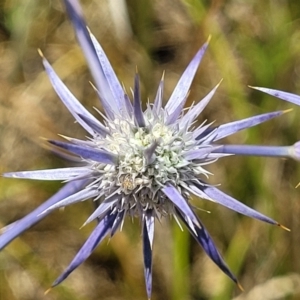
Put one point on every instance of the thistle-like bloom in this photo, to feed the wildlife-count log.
(144, 164)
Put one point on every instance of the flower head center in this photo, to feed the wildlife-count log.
(149, 157)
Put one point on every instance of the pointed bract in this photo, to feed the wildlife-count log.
(128, 106)
(208, 245)
(96, 126)
(172, 193)
(118, 222)
(149, 153)
(85, 41)
(194, 112)
(35, 216)
(173, 117)
(235, 205)
(280, 94)
(254, 150)
(82, 195)
(85, 152)
(52, 174)
(107, 204)
(71, 103)
(157, 105)
(201, 153)
(112, 80)
(233, 127)
(98, 234)
(148, 233)
(183, 86)
(137, 104)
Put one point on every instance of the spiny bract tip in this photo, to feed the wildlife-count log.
(208, 39)
(240, 287)
(93, 86)
(47, 291)
(287, 110)
(219, 82)
(254, 87)
(283, 227)
(40, 53)
(64, 137)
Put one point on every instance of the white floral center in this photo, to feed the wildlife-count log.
(137, 178)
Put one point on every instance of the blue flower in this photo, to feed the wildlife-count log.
(144, 164)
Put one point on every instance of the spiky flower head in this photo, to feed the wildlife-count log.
(139, 163)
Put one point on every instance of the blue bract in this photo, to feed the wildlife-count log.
(144, 164)
(280, 94)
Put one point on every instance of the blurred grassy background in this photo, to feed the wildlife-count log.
(253, 43)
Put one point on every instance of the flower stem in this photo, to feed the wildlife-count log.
(181, 270)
